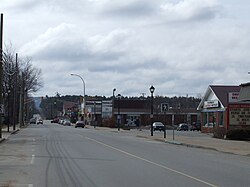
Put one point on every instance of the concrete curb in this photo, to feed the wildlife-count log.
(13, 132)
(191, 145)
(2, 140)
(205, 147)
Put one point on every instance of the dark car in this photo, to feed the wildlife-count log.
(55, 120)
(80, 124)
(158, 126)
(195, 127)
(33, 121)
(182, 127)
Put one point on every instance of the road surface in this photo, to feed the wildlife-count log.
(53, 155)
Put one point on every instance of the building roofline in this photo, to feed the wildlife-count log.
(245, 84)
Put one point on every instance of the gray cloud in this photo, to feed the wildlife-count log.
(191, 10)
(178, 46)
(129, 8)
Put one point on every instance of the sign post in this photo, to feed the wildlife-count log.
(164, 108)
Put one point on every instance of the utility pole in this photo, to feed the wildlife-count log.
(15, 96)
(21, 107)
(1, 75)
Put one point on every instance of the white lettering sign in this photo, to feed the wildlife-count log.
(239, 114)
(211, 104)
(233, 97)
(107, 109)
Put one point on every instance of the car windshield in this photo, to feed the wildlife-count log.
(158, 124)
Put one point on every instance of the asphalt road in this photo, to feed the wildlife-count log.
(53, 155)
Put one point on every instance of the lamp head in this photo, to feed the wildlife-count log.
(119, 96)
(152, 89)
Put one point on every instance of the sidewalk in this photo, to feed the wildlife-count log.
(202, 140)
(206, 141)
(6, 134)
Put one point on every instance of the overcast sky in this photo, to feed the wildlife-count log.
(179, 46)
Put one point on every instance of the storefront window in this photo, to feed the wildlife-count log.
(209, 119)
(212, 119)
(220, 118)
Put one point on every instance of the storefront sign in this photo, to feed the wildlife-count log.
(233, 97)
(211, 104)
(239, 114)
(107, 109)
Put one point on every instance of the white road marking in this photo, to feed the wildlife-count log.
(33, 139)
(30, 185)
(32, 159)
(153, 163)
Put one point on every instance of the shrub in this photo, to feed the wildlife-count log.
(219, 132)
(238, 134)
(109, 123)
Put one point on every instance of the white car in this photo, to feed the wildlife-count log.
(211, 125)
(158, 126)
(66, 123)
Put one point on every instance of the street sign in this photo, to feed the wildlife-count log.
(164, 107)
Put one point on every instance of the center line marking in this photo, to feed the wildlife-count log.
(151, 162)
(32, 159)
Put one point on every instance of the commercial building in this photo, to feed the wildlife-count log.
(239, 112)
(225, 107)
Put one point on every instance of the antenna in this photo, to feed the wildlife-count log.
(143, 94)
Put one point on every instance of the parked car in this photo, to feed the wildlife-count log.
(195, 127)
(80, 124)
(211, 125)
(39, 121)
(182, 127)
(55, 120)
(33, 121)
(61, 121)
(158, 126)
(66, 123)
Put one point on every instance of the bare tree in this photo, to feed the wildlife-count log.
(10, 71)
(32, 76)
(20, 79)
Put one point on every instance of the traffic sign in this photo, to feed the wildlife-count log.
(164, 107)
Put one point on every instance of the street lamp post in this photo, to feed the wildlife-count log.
(119, 105)
(113, 102)
(152, 89)
(83, 83)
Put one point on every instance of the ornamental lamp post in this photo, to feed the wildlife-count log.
(119, 105)
(113, 102)
(152, 89)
